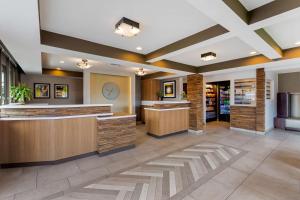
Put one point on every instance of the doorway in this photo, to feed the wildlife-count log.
(218, 101)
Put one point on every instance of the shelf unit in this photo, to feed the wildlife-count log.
(211, 102)
(268, 89)
(245, 91)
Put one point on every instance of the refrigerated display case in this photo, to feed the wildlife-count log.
(211, 102)
(224, 101)
(218, 101)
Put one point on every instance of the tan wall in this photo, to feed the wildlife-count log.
(289, 82)
(75, 88)
(122, 103)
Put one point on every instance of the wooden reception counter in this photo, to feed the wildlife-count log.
(42, 134)
(167, 118)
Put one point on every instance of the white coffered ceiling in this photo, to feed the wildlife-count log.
(52, 61)
(162, 22)
(286, 33)
(252, 4)
(229, 49)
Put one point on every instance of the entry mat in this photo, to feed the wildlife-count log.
(172, 176)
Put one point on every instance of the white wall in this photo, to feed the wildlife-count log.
(86, 84)
(271, 104)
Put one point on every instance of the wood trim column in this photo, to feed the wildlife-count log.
(260, 99)
(195, 96)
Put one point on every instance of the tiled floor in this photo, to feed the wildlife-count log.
(269, 170)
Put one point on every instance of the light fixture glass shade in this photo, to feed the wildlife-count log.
(127, 27)
(83, 64)
(140, 72)
(208, 56)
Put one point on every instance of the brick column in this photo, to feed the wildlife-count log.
(260, 100)
(195, 96)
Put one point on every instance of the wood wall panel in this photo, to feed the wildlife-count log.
(260, 99)
(195, 96)
(149, 89)
(162, 123)
(46, 140)
(243, 117)
(115, 133)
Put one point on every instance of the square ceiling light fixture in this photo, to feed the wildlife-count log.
(208, 56)
(127, 27)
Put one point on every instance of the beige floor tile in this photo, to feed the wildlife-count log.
(16, 181)
(43, 191)
(86, 176)
(7, 198)
(212, 190)
(246, 193)
(230, 177)
(92, 162)
(48, 174)
(248, 163)
(273, 187)
(188, 198)
(122, 164)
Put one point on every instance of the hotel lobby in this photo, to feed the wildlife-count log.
(150, 100)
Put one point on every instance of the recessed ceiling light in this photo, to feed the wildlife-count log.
(208, 56)
(139, 48)
(297, 43)
(253, 52)
(127, 27)
(58, 68)
(140, 72)
(61, 62)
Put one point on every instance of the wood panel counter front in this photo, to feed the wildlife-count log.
(162, 122)
(26, 140)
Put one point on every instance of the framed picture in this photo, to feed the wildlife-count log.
(61, 91)
(169, 89)
(41, 90)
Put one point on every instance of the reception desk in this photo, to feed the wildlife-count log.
(42, 134)
(165, 118)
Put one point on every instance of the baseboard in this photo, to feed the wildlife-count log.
(248, 131)
(198, 132)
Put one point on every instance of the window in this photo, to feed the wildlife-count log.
(3, 85)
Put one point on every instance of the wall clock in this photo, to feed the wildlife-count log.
(110, 91)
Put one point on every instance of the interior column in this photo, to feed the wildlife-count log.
(195, 96)
(260, 99)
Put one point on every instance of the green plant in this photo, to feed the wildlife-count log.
(160, 94)
(183, 95)
(20, 94)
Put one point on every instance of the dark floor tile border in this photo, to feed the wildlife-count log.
(168, 135)
(117, 150)
(55, 162)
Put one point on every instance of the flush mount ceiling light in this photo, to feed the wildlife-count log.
(139, 48)
(61, 62)
(208, 56)
(83, 64)
(252, 52)
(127, 27)
(297, 43)
(140, 72)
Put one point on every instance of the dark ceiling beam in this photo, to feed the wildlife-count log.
(253, 60)
(272, 9)
(201, 36)
(156, 75)
(237, 7)
(268, 39)
(79, 45)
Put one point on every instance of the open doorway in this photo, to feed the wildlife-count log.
(218, 101)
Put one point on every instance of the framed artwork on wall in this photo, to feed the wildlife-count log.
(169, 89)
(61, 91)
(41, 90)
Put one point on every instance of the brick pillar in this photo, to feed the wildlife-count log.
(195, 96)
(260, 99)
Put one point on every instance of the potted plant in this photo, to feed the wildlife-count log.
(160, 95)
(20, 94)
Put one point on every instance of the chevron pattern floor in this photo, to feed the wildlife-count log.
(171, 176)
